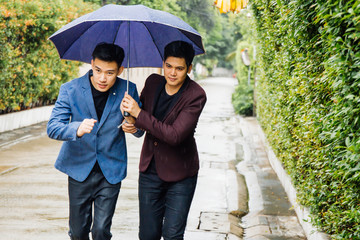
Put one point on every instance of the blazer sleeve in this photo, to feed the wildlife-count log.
(59, 126)
(184, 124)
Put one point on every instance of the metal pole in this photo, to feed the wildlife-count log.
(128, 63)
(126, 114)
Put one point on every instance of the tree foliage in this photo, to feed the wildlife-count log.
(30, 69)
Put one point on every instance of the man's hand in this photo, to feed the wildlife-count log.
(128, 127)
(129, 105)
(130, 119)
(86, 127)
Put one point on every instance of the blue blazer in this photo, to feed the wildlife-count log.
(106, 143)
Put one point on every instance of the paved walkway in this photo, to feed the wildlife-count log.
(34, 202)
(270, 216)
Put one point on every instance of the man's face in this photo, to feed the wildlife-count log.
(175, 72)
(104, 74)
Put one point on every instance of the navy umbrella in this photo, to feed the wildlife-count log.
(141, 31)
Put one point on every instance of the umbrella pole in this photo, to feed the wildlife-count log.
(128, 60)
(126, 114)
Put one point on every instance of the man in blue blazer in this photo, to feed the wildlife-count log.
(86, 117)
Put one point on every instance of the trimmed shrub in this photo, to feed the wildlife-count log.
(309, 103)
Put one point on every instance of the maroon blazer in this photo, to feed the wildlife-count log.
(172, 141)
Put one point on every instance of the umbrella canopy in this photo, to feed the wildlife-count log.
(230, 5)
(141, 31)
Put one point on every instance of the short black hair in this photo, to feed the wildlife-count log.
(109, 52)
(180, 49)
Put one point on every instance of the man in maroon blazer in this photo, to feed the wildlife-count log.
(169, 161)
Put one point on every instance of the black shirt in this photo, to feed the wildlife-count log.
(163, 105)
(100, 99)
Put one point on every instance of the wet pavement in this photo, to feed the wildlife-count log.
(270, 216)
(34, 201)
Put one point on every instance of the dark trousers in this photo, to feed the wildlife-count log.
(164, 206)
(94, 191)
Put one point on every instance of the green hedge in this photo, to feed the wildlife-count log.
(30, 69)
(309, 103)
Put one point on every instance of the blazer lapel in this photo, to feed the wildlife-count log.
(113, 96)
(88, 98)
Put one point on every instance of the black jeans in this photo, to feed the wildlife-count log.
(94, 191)
(164, 206)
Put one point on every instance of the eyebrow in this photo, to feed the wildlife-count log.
(110, 70)
(168, 64)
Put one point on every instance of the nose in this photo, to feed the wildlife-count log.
(173, 72)
(102, 78)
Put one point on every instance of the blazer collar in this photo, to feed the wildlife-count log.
(113, 95)
(162, 86)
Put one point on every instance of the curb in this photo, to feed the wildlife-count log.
(303, 213)
(11, 121)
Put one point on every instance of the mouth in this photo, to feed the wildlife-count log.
(102, 86)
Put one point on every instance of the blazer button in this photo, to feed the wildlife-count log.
(155, 144)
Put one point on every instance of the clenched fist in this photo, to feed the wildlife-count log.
(86, 127)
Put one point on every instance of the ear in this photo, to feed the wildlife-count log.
(121, 69)
(92, 63)
(189, 69)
